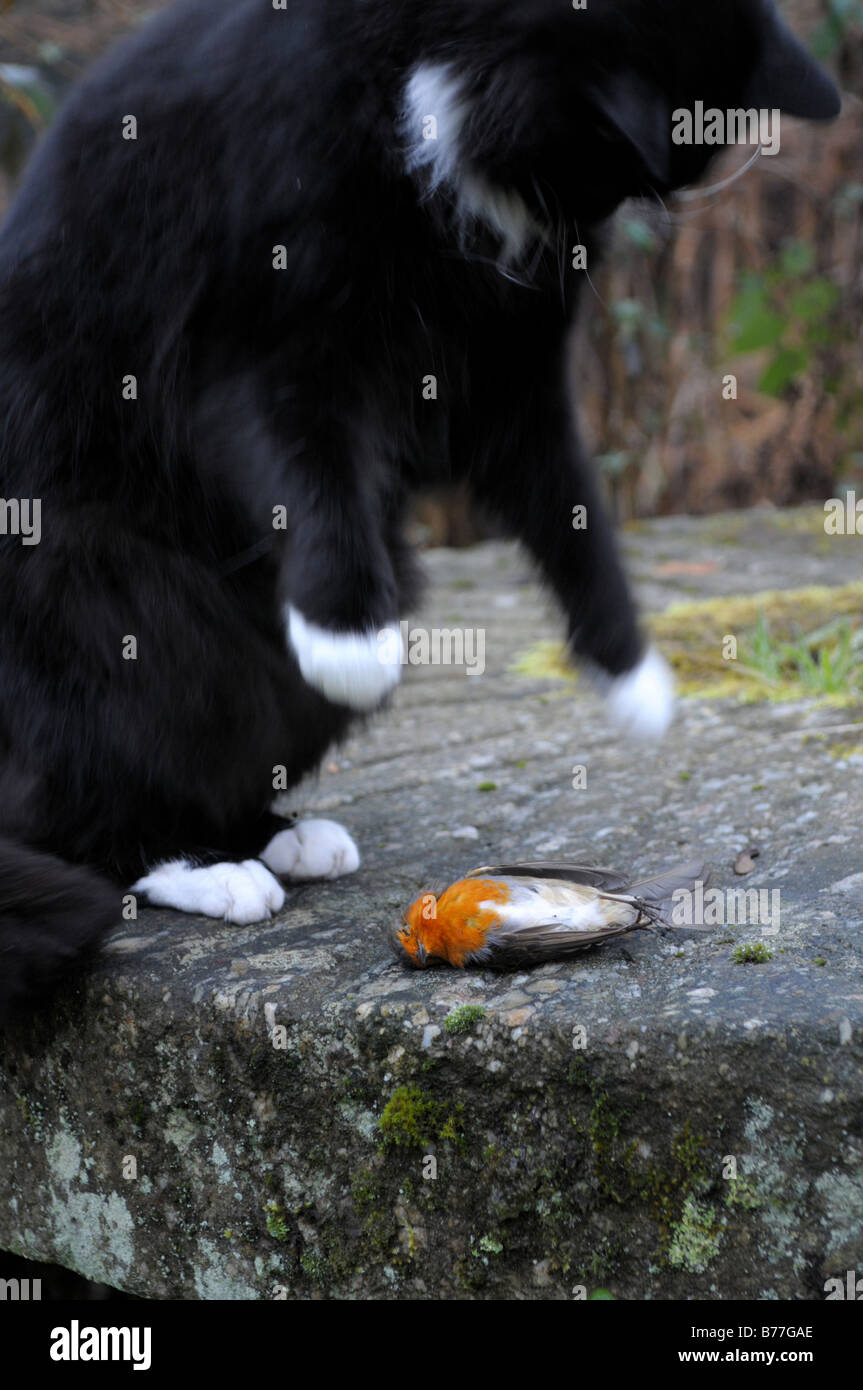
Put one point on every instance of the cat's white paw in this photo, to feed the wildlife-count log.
(351, 668)
(641, 702)
(312, 849)
(240, 893)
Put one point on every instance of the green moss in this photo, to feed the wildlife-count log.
(841, 751)
(472, 1269)
(696, 1237)
(660, 1190)
(462, 1019)
(604, 1260)
(612, 1155)
(611, 1161)
(665, 1190)
(487, 787)
(365, 1190)
(751, 953)
(471, 1274)
(354, 1089)
(380, 1233)
(316, 1267)
(767, 625)
(819, 960)
(276, 1227)
(792, 644)
(409, 1118)
(742, 1192)
(453, 1128)
(545, 661)
(577, 1073)
(409, 1239)
(687, 1156)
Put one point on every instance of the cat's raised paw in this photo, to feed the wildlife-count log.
(641, 702)
(240, 893)
(351, 668)
(312, 849)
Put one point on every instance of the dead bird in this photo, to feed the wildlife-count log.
(508, 915)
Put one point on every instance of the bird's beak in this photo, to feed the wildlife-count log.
(417, 960)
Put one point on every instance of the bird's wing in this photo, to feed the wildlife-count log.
(533, 945)
(609, 879)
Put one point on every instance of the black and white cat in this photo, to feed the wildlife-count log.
(250, 237)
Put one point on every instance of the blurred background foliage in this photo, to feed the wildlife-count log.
(761, 280)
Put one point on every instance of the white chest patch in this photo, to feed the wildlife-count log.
(436, 112)
(546, 904)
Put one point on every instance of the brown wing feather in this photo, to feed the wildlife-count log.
(610, 879)
(536, 944)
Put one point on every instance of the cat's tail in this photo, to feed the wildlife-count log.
(52, 916)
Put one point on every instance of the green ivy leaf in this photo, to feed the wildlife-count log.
(754, 324)
(786, 365)
(797, 258)
(814, 300)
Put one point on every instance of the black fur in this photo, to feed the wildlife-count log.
(301, 388)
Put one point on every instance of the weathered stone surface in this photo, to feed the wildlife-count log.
(281, 1087)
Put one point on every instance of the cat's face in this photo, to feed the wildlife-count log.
(582, 102)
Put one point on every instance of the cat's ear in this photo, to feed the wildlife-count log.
(639, 112)
(789, 79)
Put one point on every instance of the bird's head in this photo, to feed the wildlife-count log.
(409, 938)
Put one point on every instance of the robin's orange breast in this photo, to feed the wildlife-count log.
(465, 916)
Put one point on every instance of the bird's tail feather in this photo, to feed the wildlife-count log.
(657, 893)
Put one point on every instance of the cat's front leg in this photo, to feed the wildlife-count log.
(325, 489)
(340, 594)
(358, 669)
(533, 472)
